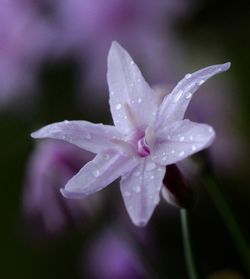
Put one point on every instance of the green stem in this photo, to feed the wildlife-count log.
(227, 215)
(187, 245)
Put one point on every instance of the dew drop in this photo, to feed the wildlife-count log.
(118, 106)
(182, 138)
(137, 189)
(210, 129)
(156, 200)
(139, 100)
(188, 76)
(193, 147)
(66, 121)
(106, 156)
(127, 194)
(178, 96)
(152, 177)
(96, 173)
(112, 93)
(201, 82)
(191, 137)
(132, 62)
(182, 153)
(188, 96)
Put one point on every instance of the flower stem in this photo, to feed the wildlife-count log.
(227, 215)
(187, 245)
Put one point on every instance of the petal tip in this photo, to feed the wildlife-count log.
(35, 135)
(141, 223)
(71, 195)
(226, 66)
(115, 46)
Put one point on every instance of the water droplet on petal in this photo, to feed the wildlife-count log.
(201, 82)
(188, 96)
(112, 92)
(139, 100)
(182, 153)
(127, 194)
(182, 138)
(137, 189)
(66, 121)
(118, 106)
(178, 96)
(132, 62)
(152, 177)
(106, 156)
(96, 173)
(188, 76)
(193, 147)
(210, 130)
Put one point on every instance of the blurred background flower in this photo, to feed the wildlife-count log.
(24, 42)
(112, 256)
(51, 165)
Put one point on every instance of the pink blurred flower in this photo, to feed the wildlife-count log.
(24, 41)
(51, 165)
(111, 256)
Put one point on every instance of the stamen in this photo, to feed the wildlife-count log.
(143, 148)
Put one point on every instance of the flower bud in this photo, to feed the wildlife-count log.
(175, 189)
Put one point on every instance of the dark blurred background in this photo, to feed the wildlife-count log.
(52, 68)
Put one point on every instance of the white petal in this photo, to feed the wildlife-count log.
(175, 104)
(181, 140)
(130, 95)
(98, 173)
(86, 135)
(140, 190)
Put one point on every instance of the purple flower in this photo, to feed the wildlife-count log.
(148, 135)
(51, 165)
(111, 257)
(24, 40)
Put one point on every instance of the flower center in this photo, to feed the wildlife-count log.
(143, 148)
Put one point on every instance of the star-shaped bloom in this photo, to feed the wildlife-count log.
(148, 134)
